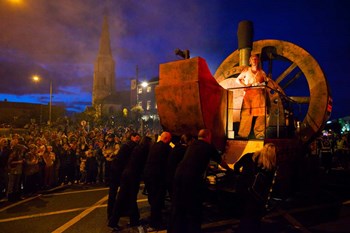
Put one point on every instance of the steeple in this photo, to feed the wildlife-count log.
(105, 42)
(104, 70)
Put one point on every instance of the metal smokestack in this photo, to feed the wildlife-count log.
(245, 41)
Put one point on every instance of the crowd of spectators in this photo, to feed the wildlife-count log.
(41, 159)
(332, 151)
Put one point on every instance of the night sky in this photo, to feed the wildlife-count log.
(58, 40)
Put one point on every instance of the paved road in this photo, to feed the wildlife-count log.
(82, 208)
(69, 209)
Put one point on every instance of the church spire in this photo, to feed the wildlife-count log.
(105, 43)
(104, 70)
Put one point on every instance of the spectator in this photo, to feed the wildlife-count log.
(189, 184)
(117, 168)
(91, 165)
(155, 178)
(253, 200)
(326, 152)
(68, 163)
(57, 149)
(82, 167)
(176, 155)
(41, 150)
(31, 171)
(49, 170)
(110, 150)
(340, 151)
(101, 160)
(75, 151)
(126, 202)
(4, 156)
(15, 167)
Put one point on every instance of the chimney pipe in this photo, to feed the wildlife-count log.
(245, 41)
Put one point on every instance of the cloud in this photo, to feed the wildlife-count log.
(59, 40)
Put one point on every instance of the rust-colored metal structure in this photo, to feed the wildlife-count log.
(190, 98)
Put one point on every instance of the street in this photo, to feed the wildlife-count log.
(71, 209)
(82, 208)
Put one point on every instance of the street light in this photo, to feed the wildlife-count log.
(36, 78)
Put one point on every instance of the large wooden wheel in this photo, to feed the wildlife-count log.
(297, 75)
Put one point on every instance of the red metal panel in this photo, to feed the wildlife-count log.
(189, 98)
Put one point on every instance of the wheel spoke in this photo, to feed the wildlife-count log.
(300, 99)
(286, 72)
(292, 80)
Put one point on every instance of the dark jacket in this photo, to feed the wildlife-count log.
(155, 168)
(121, 160)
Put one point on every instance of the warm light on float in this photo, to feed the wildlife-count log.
(15, 1)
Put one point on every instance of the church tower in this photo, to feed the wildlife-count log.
(104, 70)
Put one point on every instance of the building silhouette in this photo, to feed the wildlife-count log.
(105, 99)
(17, 114)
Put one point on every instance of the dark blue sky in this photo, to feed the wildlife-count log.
(59, 40)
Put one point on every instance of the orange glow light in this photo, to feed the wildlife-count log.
(15, 1)
(36, 78)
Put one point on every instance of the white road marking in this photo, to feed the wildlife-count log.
(74, 192)
(51, 194)
(42, 214)
(56, 212)
(80, 216)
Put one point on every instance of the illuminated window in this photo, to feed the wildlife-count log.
(148, 107)
(140, 90)
(139, 103)
(149, 88)
(155, 106)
